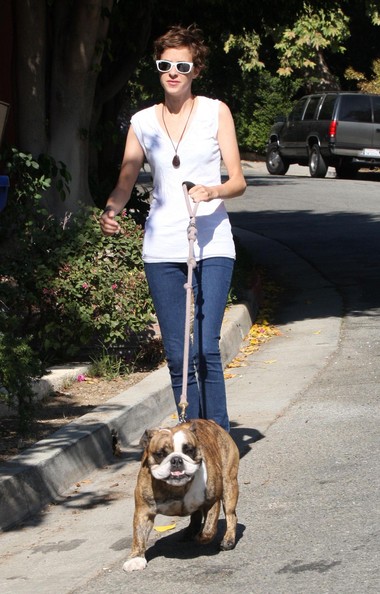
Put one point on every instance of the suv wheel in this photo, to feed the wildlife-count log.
(317, 164)
(274, 162)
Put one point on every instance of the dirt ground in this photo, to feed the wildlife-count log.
(62, 408)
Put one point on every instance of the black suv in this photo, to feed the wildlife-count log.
(340, 130)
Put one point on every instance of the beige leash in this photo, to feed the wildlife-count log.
(191, 264)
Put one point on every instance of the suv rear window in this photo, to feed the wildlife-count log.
(327, 108)
(355, 108)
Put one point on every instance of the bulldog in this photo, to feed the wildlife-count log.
(186, 470)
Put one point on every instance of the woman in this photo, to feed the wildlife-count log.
(183, 139)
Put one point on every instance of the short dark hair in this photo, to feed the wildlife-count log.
(178, 36)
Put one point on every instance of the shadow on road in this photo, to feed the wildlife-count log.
(175, 547)
(341, 247)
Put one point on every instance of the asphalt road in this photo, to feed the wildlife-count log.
(309, 489)
(333, 224)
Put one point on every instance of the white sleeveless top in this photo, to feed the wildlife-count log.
(165, 237)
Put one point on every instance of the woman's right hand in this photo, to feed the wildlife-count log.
(130, 167)
(108, 223)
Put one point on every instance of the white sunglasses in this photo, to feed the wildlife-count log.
(167, 65)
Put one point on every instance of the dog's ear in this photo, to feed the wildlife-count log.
(193, 427)
(146, 437)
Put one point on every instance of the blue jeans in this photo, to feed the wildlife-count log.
(206, 393)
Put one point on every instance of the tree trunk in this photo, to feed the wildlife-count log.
(110, 95)
(30, 36)
(80, 32)
(55, 117)
(326, 80)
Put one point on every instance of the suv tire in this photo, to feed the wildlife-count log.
(274, 162)
(317, 164)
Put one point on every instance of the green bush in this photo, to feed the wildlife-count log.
(66, 284)
(65, 290)
(262, 98)
(74, 288)
(19, 366)
(93, 290)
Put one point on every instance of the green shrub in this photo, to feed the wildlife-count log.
(261, 100)
(66, 284)
(19, 366)
(93, 290)
(65, 289)
(73, 288)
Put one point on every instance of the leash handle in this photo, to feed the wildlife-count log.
(188, 185)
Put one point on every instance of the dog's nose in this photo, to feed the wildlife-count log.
(177, 462)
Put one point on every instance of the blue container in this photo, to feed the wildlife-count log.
(4, 185)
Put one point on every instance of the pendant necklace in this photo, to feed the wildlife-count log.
(176, 160)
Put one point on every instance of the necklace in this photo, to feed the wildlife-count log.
(176, 160)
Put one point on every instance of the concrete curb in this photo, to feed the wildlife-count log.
(54, 380)
(57, 377)
(42, 473)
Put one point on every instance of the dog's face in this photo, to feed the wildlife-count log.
(173, 455)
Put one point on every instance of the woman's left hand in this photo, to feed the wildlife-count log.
(201, 193)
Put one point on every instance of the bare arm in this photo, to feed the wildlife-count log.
(130, 167)
(236, 184)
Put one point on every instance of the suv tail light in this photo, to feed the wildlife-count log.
(332, 129)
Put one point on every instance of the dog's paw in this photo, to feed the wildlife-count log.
(227, 544)
(205, 538)
(135, 564)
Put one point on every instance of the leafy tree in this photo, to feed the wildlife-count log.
(373, 11)
(301, 46)
(366, 86)
(249, 44)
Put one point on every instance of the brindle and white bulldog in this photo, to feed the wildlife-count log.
(186, 470)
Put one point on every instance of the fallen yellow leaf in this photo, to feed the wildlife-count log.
(235, 364)
(164, 528)
(229, 375)
(250, 349)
